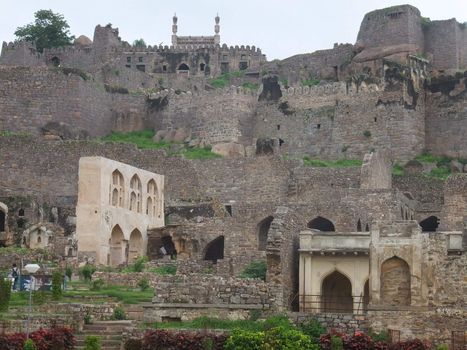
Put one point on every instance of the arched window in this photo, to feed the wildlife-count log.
(430, 224)
(2, 220)
(359, 226)
(183, 68)
(21, 212)
(152, 203)
(336, 294)
(395, 282)
(215, 250)
(202, 66)
(322, 224)
(367, 228)
(117, 189)
(136, 245)
(263, 229)
(55, 61)
(135, 194)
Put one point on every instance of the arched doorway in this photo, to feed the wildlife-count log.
(136, 245)
(55, 61)
(395, 282)
(215, 250)
(263, 229)
(117, 247)
(430, 224)
(168, 246)
(366, 295)
(336, 294)
(183, 69)
(322, 224)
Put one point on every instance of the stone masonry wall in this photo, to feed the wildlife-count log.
(30, 98)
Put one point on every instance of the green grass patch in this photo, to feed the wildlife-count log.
(142, 139)
(164, 270)
(397, 170)
(339, 163)
(250, 86)
(199, 153)
(121, 294)
(439, 173)
(256, 269)
(430, 158)
(309, 82)
(223, 80)
(17, 250)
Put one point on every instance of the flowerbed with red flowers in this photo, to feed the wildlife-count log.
(55, 338)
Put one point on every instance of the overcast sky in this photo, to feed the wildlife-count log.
(281, 28)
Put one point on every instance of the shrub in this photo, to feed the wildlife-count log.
(87, 319)
(414, 344)
(358, 341)
(12, 341)
(143, 283)
(54, 338)
(119, 313)
(367, 133)
(256, 269)
(138, 266)
(277, 321)
(69, 272)
(442, 347)
(133, 344)
(5, 294)
(314, 329)
(336, 343)
(57, 279)
(282, 339)
(397, 170)
(331, 341)
(29, 345)
(165, 270)
(39, 297)
(245, 340)
(86, 271)
(97, 284)
(382, 336)
(92, 342)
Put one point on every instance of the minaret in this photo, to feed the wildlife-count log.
(174, 30)
(217, 28)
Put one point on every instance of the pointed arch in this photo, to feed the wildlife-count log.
(322, 224)
(117, 246)
(430, 224)
(183, 67)
(263, 230)
(359, 226)
(117, 189)
(215, 250)
(395, 282)
(336, 293)
(152, 206)
(135, 245)
(135, 193)
(367, 228)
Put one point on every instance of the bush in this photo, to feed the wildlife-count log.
(92, 342)
(367, 133)
(442, 347)
(414, 344)
(69, 272)
(5, 294)
(54, 338)
(382, 336)
(86, 271)
(138, 266)
(245, 340)
(256, 269)
(358, 341)
(12, 341)
(97, 284)
(143, 283)
(314, 329)
(87, 319)
(282, 339)
(57, 279)
(331, 341)
(165, 270)
(39, 297)
(277, 321)
(29, 345)
(133, 344)
(119, 313)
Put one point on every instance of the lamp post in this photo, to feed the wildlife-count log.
(31, 269)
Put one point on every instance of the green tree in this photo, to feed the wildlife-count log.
(48, 30)
(139, 43)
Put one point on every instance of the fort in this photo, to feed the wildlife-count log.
(344, 170)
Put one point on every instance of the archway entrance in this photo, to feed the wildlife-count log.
(263, 229)
(366, 295)
(136, 245)
(322, 224)
(215, 250)
(395, 282)
(117, 247)
(336, 294)
(168, 247)
(430, 224)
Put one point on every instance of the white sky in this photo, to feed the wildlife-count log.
(281, 28)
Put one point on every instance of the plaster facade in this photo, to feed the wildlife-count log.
(117, 204)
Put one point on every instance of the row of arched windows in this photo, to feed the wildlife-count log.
(136, 196)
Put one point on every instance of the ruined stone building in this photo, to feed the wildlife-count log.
(385, 248)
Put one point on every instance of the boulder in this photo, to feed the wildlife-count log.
(83, 40)
(229, 150)
(456, 166)
(180, 135)
(169, 137)
(159, 136)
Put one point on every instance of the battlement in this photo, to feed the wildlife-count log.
(252, 50)
(208, 94)
(337, 88)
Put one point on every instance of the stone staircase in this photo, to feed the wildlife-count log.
(110, 333)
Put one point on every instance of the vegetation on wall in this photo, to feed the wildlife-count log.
(307, 161)
(255, 269)
(223, 80)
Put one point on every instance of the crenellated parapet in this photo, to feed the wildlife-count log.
(252, 50)
(337, 88)
(231, 91)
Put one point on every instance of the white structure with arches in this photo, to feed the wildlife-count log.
(117, 204)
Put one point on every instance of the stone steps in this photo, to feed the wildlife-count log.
(109, 332)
